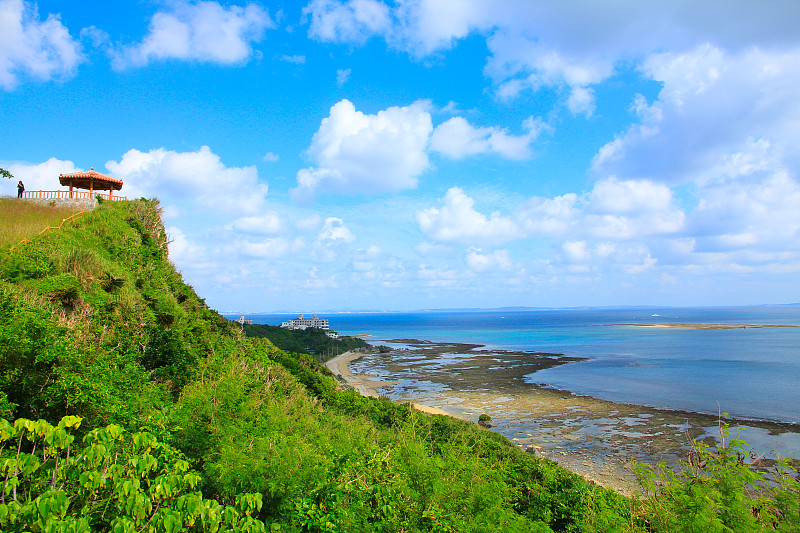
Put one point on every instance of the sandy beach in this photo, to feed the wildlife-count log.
(365, 384)
(597, 439)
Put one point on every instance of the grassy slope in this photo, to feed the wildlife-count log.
(94, 321)
(22, 220)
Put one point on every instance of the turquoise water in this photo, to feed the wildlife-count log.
(749, 373)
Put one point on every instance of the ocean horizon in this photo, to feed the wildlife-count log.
(749, 373)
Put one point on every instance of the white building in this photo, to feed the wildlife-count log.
(244, 320)
(303, 323)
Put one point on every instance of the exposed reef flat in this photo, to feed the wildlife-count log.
(712, 326)
(596, 438)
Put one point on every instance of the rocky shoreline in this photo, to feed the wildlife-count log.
(595, 438)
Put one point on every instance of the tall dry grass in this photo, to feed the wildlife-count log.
(24, 220)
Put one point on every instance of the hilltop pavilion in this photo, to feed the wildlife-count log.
(92, 180)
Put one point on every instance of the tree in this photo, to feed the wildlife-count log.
(5, 173)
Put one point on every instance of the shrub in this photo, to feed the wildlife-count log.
(113, 481)
(721, 489)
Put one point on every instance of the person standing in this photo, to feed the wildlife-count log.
(20, 189)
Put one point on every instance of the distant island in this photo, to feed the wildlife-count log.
(713, 326)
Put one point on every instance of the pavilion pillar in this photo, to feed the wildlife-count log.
(70, 189)
(91, 188)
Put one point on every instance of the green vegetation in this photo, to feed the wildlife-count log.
(721, 489)
(313, 341)
(140, 409)
(115, 481)
(5, 174)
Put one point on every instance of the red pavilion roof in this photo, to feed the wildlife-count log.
(90, 179)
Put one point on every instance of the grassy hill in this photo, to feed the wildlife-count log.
(21, 220)
(157, 414)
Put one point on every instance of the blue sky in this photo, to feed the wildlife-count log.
(365, 154)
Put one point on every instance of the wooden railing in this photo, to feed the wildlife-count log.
(74, 195)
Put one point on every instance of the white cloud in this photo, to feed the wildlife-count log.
(724, 122)
(296, 59)
(30, 47)
(625, 209)
(545, 217)
(269, 248)
(712, 104)
(333, 235)
(200, 31)
(629, 196)
(581, 256)
(581, 101)
(570, 45)
(192, 180)
(309, 223)
(351, 21)
(761, 217)
(480, 260)
(334, 231)
(266, 224)
(575, 251)
(458, 221)
(186, 252)
(428, 249)
(342, 75)
(270, 157)
(357, 153)
(520, 63)
(457, 139)
(38, 177)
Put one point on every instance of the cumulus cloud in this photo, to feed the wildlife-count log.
(581, 256)
(605, 228)
(711, 105)
(624, 209)
(548, 217)
(570, 45)
(194, 180)
(480, 260)
(334, 231)
(184, 251)
(333, 235)
(200, 31)
(457, 139)
(760, 217)
(458, 221)
(356, 153)
(353, 21)
(581, 101)
(266, 224)
(723, 122)
(632, 226)
(629, 196)
(38, 176)
(31, 47)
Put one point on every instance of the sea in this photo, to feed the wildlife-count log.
(751, 373)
